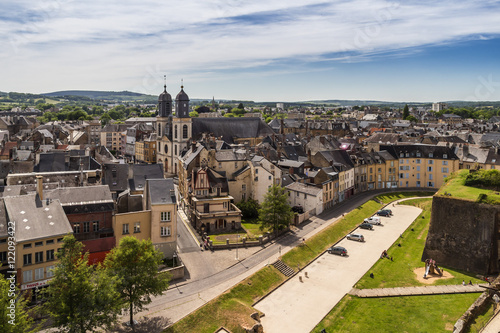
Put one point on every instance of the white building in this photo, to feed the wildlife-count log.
(309, 197)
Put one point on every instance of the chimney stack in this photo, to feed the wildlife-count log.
(39, 186)
(193, 146)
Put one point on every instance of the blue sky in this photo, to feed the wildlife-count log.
(293, 50)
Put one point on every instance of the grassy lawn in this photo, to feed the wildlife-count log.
(234, 307)
(482, 319)
(397, 314)
(399, 273)
(455, 186)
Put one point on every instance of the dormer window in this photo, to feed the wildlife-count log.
(418, 154)
(445, 155)
(431, 155)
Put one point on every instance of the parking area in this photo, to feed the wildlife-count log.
(299, 306)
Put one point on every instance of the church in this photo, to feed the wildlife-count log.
(173, 131)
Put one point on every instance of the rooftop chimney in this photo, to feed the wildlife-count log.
(39, 186)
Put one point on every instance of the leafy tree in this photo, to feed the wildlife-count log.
(80, 297)
(240, 106)
(275, 212)
(193, 114)
(136, 264)
(202, 109)
(406, 112)
(229, 115)
(105, 118)
(249, 208)
(14, 316)
(412, 119)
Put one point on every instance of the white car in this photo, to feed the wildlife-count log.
(373, 220)
(356, 237)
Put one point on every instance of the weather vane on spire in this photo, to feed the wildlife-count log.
(165, 81)
(182, 83)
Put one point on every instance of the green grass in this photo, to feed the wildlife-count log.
(400, 272)
(455, 186)
(232, 308)
(436, 313)
(390, 197)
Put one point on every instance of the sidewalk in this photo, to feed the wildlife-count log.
(417, 291)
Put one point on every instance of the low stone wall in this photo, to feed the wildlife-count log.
(176, 272)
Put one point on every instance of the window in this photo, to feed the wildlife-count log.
(444, 170)
(429, 169)
(224, 205)
(27, 276)
(137, 227)
(298, 193)
(95, 226)
(27, 246)
(39, 273)
(59, 240)
(418, 161)
(418, 183)
(446, 162)
(86, 226)
(38, 257)
(270, 177)
(430, 176)
(50, 255)
(431, 155)
(379, 170)
(418, 176)
(418, 167)
(125, 229)
(392, 163)
(50, 241)
(175, 150)
(401, 161)
(430, 184)
(76, 228)
(27, 259)
(407, 175)
(431, 162)
(244, 187)
(401, 167)
(50, 271)
(418, 154)
(38, 244)
(185, 132)
(165, 217)
(256, 171)
(175, 132)
(3, 256)
(235, 165)
(165, 231)
(445, 155)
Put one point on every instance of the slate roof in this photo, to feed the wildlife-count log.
(304, 188)
(190, 155)
(290, 164)
(229, 155)
(79, 195)
(35, 218)
(142, 172)
(387, 138)
(115, 176)
(53, 161)
(217, 180)
(230, 128)
(337, 156)
(437, 152)
(161, 191)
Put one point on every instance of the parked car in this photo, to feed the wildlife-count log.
(356, 237)
(373, 220)
(338, 250)
(366, 225)
(384, 212)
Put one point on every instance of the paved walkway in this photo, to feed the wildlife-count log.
(417, 291)
(301, 303)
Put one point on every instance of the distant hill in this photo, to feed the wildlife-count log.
(100, 95)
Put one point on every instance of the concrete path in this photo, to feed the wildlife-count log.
(299, 306)
(493, 325)
(417, 291)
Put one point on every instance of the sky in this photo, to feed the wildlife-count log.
(294, 50)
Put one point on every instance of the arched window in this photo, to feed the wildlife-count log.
(166, 149)
(159, 129)
(175, 132)
(185, 131)
(175, 150)
(166, 165)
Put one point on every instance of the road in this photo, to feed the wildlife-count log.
(201, 286)
(301, 303)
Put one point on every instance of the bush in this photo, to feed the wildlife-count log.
(484, 178)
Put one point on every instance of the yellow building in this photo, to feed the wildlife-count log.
(423, 165)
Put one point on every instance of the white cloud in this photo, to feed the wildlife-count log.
(115, 44)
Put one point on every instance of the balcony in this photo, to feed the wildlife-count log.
(233, 211)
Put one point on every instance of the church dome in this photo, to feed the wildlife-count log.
(182, 96)
(164, 96)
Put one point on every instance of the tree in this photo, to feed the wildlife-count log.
(105, 119)
(240, 106)
(81, 297)
(136, 263)
(249, 208)
(406, 112)
(275, 212)
(14, 316)
(412, 119)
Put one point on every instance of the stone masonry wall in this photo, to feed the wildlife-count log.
(463, 235)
